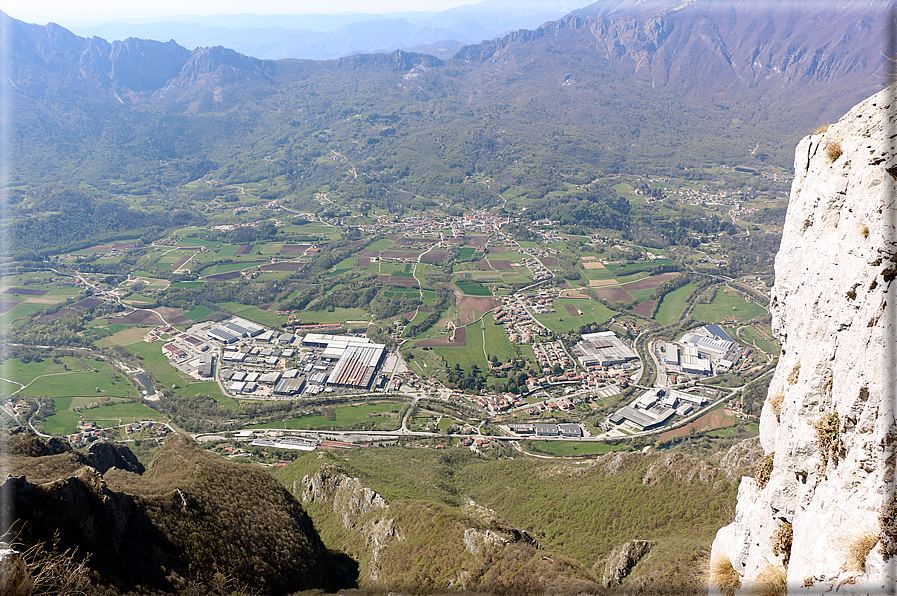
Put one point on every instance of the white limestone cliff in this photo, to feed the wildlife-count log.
(829, 418)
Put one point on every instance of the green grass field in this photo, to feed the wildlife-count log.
(469, 355)
(384, 415)
(16, 370)
(561, 321)
(473, 288)
(157, 364)
(672, 305)
(80, 384)
(17, 314)
(497, 342)
(570, 448)
(752, 336)
(380, 245)
(252, 313)
(198, 313)
(727, 303)
(65, 420)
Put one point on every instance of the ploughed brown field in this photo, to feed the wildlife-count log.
(643, 309)
(293, 249)
(548, 261)
(116, 246)
(367, 252)
(405, 282)
(712, 420)
(434, 256)
(180, 262)
(8, 305)
(480, 303)
(572, 310)
(651, 282)
(138, 317)
(501, 265)
(614, 294)
(497, 250)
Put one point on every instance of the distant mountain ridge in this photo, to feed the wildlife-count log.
(617, 86)
(325, 37)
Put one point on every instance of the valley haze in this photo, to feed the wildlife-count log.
(503, 298)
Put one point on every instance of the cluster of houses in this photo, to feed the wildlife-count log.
(514, 314)
(551, 354)
(561, 404)
(497, 403)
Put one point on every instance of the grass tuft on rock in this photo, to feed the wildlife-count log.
(763, 469)
(857, 550)
(721, 575)
(833, 150)
(770, 581)
(781, 541)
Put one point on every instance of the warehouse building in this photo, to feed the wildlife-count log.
(235, 329)
(293, 386)
(603, 349)
(356, 365)
(671, 354)
(322, 340)
(206, 365)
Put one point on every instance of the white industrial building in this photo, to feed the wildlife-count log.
(706, 346)
(656, 407)
(603, 349)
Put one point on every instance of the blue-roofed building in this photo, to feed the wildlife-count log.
(718, 332)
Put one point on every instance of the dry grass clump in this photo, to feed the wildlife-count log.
(781, 541)
(857, 550)
(56, 573)
(864, 229)
(833, 150)
(794, 375)
(821, 128)
(763, 469)
(720, 574)
(828, 437)
(771, 581)
(775, 402)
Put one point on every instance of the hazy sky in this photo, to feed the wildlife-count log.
(62, 11)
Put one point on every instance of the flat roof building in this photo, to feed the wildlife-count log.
(604, 349)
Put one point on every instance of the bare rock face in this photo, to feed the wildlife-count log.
(622, 560)
(350, 498)
(104, 456)
(15, 580)
(829, 417)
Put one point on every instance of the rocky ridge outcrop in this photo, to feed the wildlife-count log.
(814, 518)
(622, 560)
(351, 501)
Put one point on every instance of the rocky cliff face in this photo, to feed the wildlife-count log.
(813, 517)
